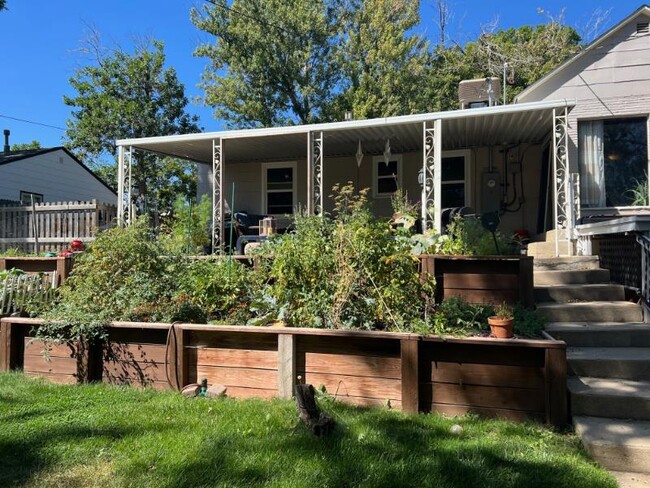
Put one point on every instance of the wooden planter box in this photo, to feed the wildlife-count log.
(62, 265)
(72, 362)
(505, 378)
(482, 279)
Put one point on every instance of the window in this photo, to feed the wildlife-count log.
(386, 177)
(26, 197)
(455, 168)
(613, 162)
(278, 188)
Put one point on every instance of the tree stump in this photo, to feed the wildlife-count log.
(320, 423)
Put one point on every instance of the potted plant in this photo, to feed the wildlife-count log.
(502, 322)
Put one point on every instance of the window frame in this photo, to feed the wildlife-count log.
(376, 161)
(265, 191)
(38, 197)
(467, 155)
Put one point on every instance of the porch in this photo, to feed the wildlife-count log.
(511, 159)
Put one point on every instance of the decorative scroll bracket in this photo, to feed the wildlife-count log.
(217, 196)
(431, 169)
(316, 153)
(561, 189)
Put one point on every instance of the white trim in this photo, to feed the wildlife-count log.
(380, 160)
(467, 155)
(354, 124)
(285, 164)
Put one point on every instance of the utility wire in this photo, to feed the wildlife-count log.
(32, 122)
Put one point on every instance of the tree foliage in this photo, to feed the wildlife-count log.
(123, 95)
(273, 62)
(276, 62)
(26, 146)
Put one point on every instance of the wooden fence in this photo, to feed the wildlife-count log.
(51, 226)
(506, 378)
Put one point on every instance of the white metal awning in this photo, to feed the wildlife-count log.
(505, 124)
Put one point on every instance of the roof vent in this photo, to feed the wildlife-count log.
(480, 92)
(643, 28)
(7, 148)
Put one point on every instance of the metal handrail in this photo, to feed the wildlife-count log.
(644, 242)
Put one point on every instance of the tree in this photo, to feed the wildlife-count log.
(3, 5)
(26, 146)
(384, 64)
(272, 62)
(124, 95)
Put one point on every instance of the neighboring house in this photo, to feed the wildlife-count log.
(50, 175)
(609, 126)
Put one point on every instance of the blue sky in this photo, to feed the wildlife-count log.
(40, 42)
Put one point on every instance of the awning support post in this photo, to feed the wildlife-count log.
(124, 185)
(217, 196)
(563, 210)
(431, 169)
(315, 163)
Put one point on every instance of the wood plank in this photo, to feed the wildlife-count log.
(286, 365)
(243, 377)
(527, 399)
(492, 297)
(556, 388)
(135, 382)
(371, 402)
(350, 364)
(485, 353)
(485, 375)
(410, 375)
(4, 346)
(182, 358)
(141, 335)
(351, 345)
(481, 281)
(236, 358)
(39, 348)
(38, 364)
(242, 392)
(498, 413)
(249, 339)
(358, 386)
(127, 372)
(141, 353)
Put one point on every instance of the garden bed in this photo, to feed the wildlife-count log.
(482, 279)
(33, 264)
(507, 378)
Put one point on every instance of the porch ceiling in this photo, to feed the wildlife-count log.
(509, 124)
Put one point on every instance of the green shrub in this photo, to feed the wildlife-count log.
(467, 236)
(455, 316)
(217, 285)
(122, 270)
(528, 323)
(189, 227)
(345, 272)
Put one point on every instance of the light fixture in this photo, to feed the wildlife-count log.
(387, 153)
(359, 154)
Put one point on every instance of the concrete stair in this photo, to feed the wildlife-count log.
(596, 311)
(608, 356)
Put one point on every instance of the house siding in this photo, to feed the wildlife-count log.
(56, 176)
(612, 80)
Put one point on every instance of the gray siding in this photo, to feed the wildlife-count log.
(56, 176)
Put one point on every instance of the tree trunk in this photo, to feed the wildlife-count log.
(320, 423)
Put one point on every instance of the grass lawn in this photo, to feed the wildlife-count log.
(95, 435)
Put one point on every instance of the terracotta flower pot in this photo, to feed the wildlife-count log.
(501, 328)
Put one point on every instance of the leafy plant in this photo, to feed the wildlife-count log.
(467, 236)
(503, 311)
(122, 270)
(639, 194)
(189, 227)
(455, 316)
(528, 323)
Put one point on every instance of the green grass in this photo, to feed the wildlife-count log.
(95, 435)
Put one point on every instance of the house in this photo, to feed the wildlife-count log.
(489, 158)
(49, 175)
(609, 127)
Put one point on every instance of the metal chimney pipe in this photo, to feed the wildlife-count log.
(7, 147)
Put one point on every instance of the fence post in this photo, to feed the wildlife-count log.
(181, 356)
(286, 365)
(410, 375)
(555, 372)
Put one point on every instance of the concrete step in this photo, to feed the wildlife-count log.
(619, 445)
(612, 334)
(591, 312)
(626, 479)
(603, 397)
(579, 293)
(542, 250)
(567, 263)
(571, 277)
(627, 363)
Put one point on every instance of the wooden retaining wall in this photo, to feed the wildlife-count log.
(505, 378)
(482, 279)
